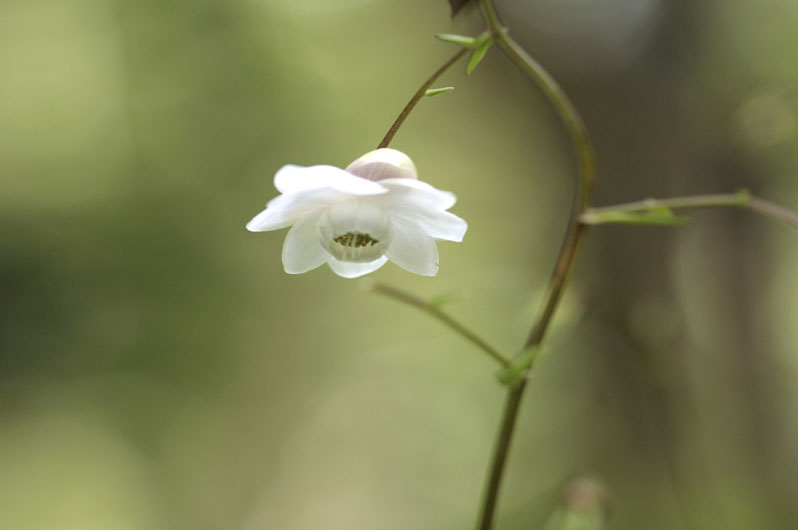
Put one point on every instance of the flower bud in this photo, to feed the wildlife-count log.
(383, 164)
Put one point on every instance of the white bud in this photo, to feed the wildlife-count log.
(384, 163)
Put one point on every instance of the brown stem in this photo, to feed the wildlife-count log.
(773, 210)
(562, 270)
(502, 449)
(740, 199)
(417, 97)
(567, 257)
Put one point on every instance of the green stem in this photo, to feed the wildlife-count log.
(562, 271)
(509, 418)
(559, 279)
(417, 97)
(407, 298)
(558, 98)
(740, 199)
(566, 259)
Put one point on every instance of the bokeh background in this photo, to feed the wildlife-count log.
(158, 370)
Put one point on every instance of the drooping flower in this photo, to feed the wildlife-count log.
(358, 218)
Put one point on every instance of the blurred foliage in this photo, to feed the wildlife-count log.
(158, 369)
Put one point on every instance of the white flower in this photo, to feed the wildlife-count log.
(357, 219)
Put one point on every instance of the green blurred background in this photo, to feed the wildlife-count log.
(158, 370)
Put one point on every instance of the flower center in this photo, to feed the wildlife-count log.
(355, 230)
(355, 239)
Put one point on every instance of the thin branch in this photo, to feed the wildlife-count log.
(417, 97)
(740, 199)
(509, 418)
(556, 95)
(419, 303)
(773, 210)
(562, 271)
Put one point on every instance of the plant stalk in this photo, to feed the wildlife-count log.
(417, 97)
(435, 311)
(740, 199)
(568, 252)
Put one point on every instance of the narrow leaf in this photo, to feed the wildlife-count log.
(657, 217)
(482, 38)
(459, 40)
(432, 92)
(482, 47)
(513, 374)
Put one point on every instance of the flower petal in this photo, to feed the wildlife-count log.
(420, 193)
(347, 269)
(285, 210)
(435, 223)
(412, 249)
(302, 250)
(292, 179)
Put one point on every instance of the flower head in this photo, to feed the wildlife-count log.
(358, 218)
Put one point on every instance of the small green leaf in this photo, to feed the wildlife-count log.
(432, 92)
(482, 46)
(482, 38)
(655, 216)
(459, 40)
(513, 374)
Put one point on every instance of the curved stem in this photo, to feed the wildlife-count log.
(562, 271)
(740, 199)
(772, 210)
(432, 309)
(562, 103)
(417, 97)
(567, 257)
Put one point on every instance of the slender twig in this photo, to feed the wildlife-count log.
(435, 311)
(417, 97)
(740, 199)
(558, 98)
(694, 201)
(512, 403)
(562, 271)
(772, 210)
(567, 257)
